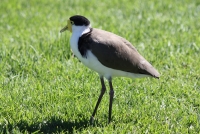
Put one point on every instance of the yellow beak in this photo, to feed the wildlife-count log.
(67, 27)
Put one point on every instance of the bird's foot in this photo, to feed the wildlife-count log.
(91, 120)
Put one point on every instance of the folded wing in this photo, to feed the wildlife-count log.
(116, 52)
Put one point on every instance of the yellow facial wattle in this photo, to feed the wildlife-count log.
(67, 27)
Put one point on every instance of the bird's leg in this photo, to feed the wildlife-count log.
(111, 100)
(103, 89)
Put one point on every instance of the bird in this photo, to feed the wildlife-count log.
(106, 53)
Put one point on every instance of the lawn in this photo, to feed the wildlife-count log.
(45, 89)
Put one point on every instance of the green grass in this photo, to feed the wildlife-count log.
(43, 89)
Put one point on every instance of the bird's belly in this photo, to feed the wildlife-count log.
(93, 63)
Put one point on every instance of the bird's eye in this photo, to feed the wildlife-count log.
(72, 22)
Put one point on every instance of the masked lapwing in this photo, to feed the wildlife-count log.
(106, 53)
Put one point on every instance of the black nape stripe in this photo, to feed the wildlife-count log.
(84, 43)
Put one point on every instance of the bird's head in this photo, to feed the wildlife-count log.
(76, 20)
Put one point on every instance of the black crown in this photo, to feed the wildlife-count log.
(80, 20)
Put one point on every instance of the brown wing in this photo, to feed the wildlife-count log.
(115, 52)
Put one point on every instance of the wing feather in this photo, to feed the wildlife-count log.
(116, 52)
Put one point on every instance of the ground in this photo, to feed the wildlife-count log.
(44, 89)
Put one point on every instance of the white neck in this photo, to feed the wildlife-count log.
(77, 31)
(80, 30)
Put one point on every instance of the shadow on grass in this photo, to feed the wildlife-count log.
(53, 125)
